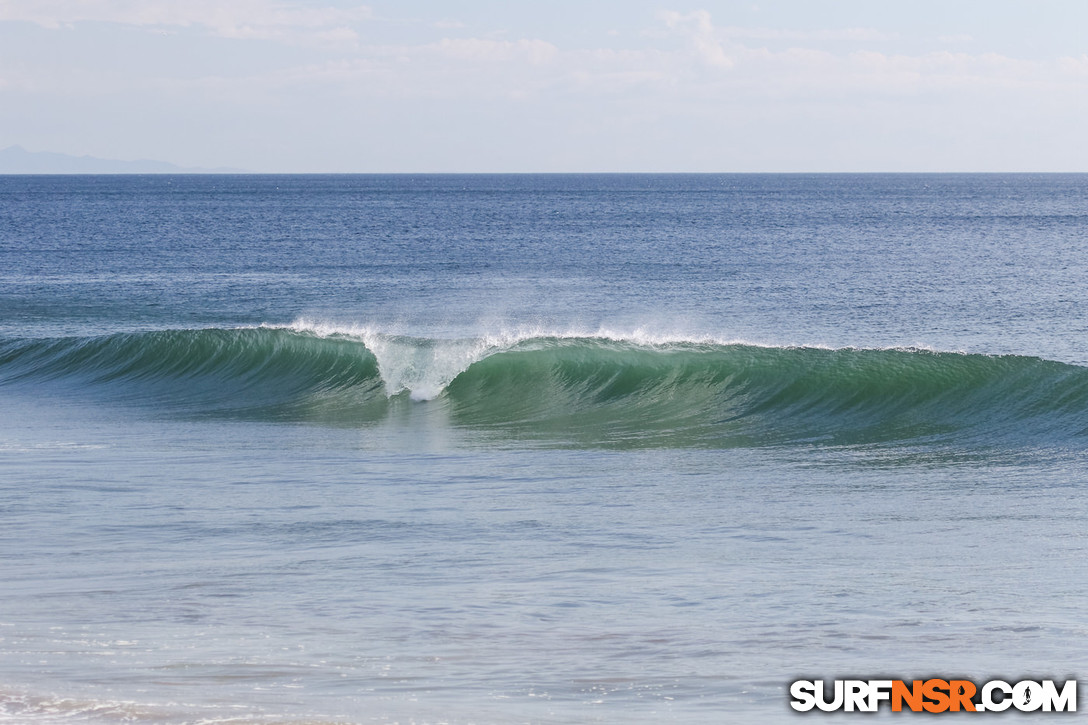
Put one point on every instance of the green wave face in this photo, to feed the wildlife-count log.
(577, 391)
(249, 372)
(737, 395)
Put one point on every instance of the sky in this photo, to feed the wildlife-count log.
(609, 86)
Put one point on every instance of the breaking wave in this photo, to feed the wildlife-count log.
(590, 389)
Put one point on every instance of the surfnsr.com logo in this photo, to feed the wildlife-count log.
(934, 695)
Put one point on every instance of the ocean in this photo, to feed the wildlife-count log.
(535, 448)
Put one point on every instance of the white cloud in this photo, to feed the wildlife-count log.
(536, 52)
(237, 19)
(841, 34)
(672, 73)
(701, 33)
(1075, 66)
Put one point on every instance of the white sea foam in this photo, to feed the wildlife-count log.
(424, 366)
(19, 708)
(421, 366)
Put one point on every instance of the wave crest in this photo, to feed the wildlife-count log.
(585, 389)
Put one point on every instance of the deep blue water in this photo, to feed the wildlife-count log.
(556, 449)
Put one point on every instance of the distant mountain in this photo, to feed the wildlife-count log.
(17, 160)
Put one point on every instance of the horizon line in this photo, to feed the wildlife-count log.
(528, 173)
